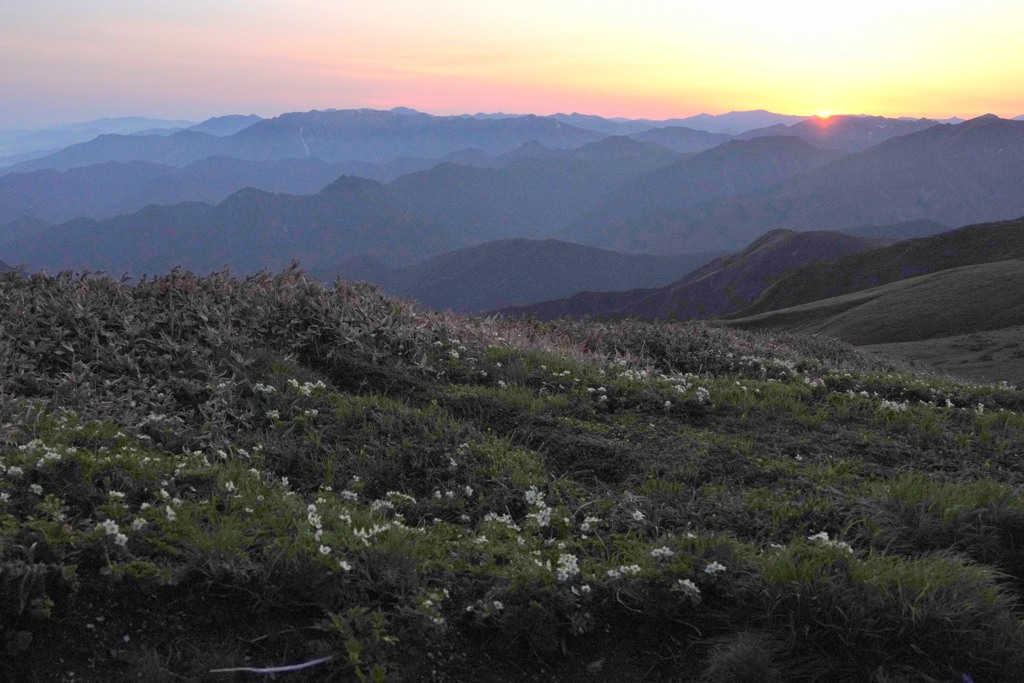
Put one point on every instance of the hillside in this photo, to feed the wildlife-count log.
(969, 245)
(507, 272)
(203, 478)
(727, 284)
(951, 174)
(950, 302)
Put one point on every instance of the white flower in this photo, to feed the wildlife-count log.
(325, 549)
(662, 552)
(229, 486)
(638, 516)
(468, 491)
(345, 565)
(171, 514)
(138, 524)
(714, 568)
(109, 527)
(121, 540)
(36, 489)
(274, 414)
(568, 566)
(688, 587)
(533, 496)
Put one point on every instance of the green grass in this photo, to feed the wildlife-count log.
(264, 472)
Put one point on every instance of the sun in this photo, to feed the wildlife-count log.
(824, 114)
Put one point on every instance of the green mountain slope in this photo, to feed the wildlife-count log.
(965, 246)
(950, 302)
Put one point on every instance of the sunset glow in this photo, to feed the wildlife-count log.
(655, 59)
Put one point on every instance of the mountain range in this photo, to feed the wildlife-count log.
(951, 174)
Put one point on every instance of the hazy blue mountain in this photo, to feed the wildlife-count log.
(737, 122)
(332, 135)
(950, 174)
(535, 193)
(508, 272)
(725, 285)
(733, 168)
(248, 231)
(19, 142)
(846, 133)
(113, 188)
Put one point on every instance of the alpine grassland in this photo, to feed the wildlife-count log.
(226, 479)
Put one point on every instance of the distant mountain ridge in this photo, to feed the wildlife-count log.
(845, 133)
(732, 168)
(331, 136)
(249, 231)
(951, 174)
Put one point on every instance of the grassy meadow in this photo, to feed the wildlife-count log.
(221, 479)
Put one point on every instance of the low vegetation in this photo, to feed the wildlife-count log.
(203, 478)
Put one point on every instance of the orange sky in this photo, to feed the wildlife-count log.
(655, 59)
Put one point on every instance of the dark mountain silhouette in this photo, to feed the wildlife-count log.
(969, 245)
(845, 133)
(957, 301)
(535, 193)
(733, 168)
(726, 284)
(952, 174)
(332, 135)
(249, 231)
(508, 272)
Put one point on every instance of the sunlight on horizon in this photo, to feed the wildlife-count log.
(657, 59)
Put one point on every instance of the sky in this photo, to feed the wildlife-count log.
(66, 61)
